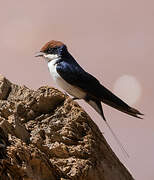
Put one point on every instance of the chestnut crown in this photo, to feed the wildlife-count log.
(54, 47)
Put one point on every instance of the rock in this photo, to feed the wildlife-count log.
(45, 135)
(5, 87)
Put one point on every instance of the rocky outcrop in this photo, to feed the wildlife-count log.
(45, 135)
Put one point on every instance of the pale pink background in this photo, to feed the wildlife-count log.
(109, 38)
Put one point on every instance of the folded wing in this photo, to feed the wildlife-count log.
(76, 76)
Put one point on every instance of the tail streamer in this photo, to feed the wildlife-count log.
(117, 140)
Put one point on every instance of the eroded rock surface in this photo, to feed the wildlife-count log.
(44, 135)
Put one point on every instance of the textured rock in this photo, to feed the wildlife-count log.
(44, 135)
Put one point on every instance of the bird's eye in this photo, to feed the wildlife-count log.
(51, 50)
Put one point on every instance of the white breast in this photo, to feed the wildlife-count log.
(72, 90)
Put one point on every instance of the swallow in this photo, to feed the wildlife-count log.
(73, 79)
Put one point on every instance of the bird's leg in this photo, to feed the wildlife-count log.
(75, 98)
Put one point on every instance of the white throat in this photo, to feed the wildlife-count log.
(51, 57)
(51, 60)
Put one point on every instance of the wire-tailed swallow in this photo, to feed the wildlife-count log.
(71, 77)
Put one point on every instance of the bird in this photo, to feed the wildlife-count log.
(73, 79)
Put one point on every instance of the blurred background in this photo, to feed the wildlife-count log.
(111, 39)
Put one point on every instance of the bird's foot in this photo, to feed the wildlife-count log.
(75, 98)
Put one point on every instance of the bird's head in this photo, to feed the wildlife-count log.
(52, 50)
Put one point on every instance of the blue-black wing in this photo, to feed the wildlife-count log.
(75, 75)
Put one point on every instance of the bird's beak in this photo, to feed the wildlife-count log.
(39, 54)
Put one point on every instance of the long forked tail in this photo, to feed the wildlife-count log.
(112, 100)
